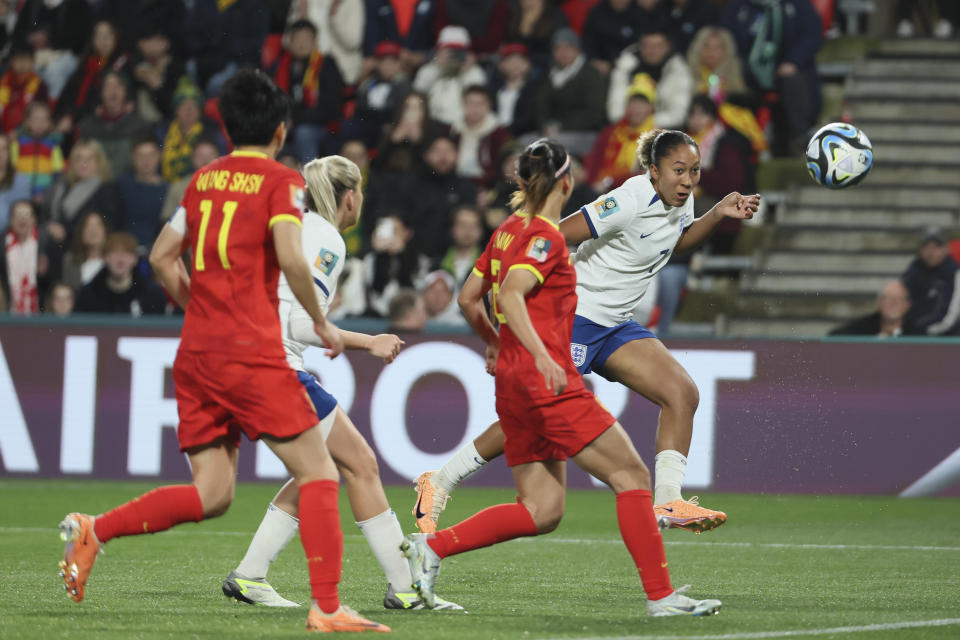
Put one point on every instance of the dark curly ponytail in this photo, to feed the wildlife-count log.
(655, 144)
(539, 168)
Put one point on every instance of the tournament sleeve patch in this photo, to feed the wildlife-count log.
(326, 261)
(538, 249)
(606, 207)
(298, 199)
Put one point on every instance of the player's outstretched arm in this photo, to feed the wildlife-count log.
(518, 283)
(470, 301)
(286, 242)
(167, 265)
(383, 345)
(734, 205)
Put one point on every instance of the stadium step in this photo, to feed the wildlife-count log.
(918, 67)
(937, 154)
(914, 174)
(892, 219)
(904, 87)
(827, 261)
(820, 239)
(836, 308)
(776, 327)
(917, 132)
(801, 282)
(905, 110)
(916, 47)
(877, 196)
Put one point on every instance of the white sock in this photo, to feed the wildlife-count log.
(384, 535)
(275, 532)
(461, 466)
(669, 470)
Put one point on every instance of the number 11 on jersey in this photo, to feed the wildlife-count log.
(206, 208)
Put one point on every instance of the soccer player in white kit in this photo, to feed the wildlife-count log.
(625, 237)
(333, 203)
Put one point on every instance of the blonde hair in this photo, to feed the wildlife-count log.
(328, 179)
(103, 167)
(729, 69)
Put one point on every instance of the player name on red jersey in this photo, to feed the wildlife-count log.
(220, 180)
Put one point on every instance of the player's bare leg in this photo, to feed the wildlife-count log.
(646, 367)
(308, 461)
(612, 459)
(434, 487)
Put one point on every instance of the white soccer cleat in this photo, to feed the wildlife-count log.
(424, 566)
(254, 591)
(677, 604)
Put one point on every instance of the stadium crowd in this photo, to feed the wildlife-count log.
(108, 106)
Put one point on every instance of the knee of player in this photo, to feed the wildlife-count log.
(631, 477)
(215, 506)
(363, 468)
(546, 517)
(685, 395)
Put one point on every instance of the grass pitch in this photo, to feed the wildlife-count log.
(784, 566)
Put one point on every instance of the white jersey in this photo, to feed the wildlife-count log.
(324, 249)
(634, 235)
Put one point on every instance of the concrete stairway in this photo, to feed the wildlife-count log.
(830, 251)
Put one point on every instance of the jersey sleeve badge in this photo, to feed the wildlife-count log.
(606, 207)
(298, 198)
(538, 249)
(326, 261)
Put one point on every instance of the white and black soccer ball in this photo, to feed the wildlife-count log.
(839, 155)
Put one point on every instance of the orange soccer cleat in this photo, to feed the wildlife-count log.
(79, 553)
(689, 515)
(430, 503)
(343, 619)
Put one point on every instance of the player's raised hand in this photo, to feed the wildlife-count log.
(386, 346)
(330, 334)
(553, 373)
(742, 207)
(493, 352)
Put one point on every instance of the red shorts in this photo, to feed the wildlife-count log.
(220, 395)
(551, 428)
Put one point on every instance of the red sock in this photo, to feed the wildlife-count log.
(638, 527)
(322, 540)
(156, 510)
(492, 525)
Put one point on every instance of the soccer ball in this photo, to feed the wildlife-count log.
(839, 155)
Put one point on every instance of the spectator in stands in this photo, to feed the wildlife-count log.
(60, 300)
(8, 20)
(571, 98)
(314, 83)
(451, 70)
(82, 93)
(13, 184)
(114, 123)
(495, 201)
(356, 152)
(205, 151)
(653, 57)
(86, 186)
(408, 23)
(439, 190)
(479, 138)
(84, 260)
(439, 299)
(392, 264)
(139, 19)
(516, 90)
(484, 20)
(582, 192)
(947, 18)
(379, 96)
(611, 26)
(779, 41)
(35, 150)
(576, 12)
(63, 26)
(684, 18)
(142, 192)
(119, 288)
(225, 36)
(24, 261)
(407, 312)
(412, 129)
(156, 72)
(340, 28)
(533, 23)
(19, 86)
(466, 234)
(889, 321)
(716, 68)
(187, 127)
(613, 157)
(725, 166)
(933, 280)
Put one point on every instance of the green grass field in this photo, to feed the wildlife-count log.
(784, 566)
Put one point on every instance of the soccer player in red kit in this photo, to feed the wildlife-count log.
(241, 218)
(546, 412)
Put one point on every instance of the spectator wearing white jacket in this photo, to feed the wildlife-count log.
(340, 26)
(653, 56)
(451, 70)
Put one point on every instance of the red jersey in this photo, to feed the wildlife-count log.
(541, 249)
(231, 206)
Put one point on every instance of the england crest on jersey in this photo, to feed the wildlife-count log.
(579, 354)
